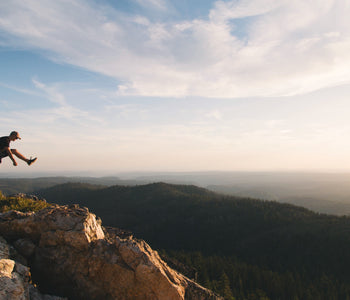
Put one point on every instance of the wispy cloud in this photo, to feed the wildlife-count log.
(60, 112)
(153, 4)
(214, 114)
(288, 47)
(19, 89)
(53, 95)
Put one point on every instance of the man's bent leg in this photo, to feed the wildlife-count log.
(19, 155)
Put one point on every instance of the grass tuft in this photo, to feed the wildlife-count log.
(20, 204)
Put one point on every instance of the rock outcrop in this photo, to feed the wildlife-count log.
(70, 254)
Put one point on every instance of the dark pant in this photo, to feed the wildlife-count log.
(3, 154)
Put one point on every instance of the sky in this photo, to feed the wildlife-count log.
(176, 85)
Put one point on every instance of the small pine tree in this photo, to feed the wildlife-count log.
(224, 287)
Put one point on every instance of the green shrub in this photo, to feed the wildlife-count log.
(20, 204)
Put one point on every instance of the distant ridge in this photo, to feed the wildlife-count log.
(27, 185)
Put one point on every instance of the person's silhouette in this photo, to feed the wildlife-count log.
(6, 151)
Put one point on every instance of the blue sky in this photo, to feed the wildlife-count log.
(186, 85)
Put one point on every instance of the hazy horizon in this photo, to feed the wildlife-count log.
(159, 85)
(320, 192)
(29, 173)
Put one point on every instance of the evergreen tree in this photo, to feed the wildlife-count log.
(224, 287)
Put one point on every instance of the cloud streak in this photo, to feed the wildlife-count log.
(286, 47)
(156, 4)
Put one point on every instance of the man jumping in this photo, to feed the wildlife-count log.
(6, 151)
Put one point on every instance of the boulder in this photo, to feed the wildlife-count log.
(72, 255)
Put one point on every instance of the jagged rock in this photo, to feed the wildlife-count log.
(112, 231)
(189, 272)
(71, 256)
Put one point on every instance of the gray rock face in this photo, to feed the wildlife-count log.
(71, 254)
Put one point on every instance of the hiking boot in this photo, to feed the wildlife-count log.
(29, 162)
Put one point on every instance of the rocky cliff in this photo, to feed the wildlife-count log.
(71, 255)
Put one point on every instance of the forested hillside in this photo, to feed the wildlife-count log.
(246, 248)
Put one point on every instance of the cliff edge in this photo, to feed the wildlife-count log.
(70, 254)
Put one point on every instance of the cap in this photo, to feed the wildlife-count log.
(15, 133)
